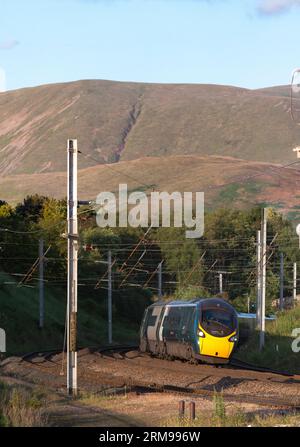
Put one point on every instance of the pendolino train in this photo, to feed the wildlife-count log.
(197, 330)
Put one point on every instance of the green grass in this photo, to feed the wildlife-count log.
(277, 353)
(229, 193)
(240, 191)
(237, 417)
(293, 215)
(240, 194)
(19, 313)
(21, 407)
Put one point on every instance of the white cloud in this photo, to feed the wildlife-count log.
(266, 7)
(270, 7)
(8, 44)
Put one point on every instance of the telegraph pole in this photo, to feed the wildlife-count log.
(159, 270)
(281, 302)
(109, 297)
(72, 268)
(221, 282)
(258, 296)
(41, 283)
(220, 276)
(263, 280)
(295, 112)
(294, 283)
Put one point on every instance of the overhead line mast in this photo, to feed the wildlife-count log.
(72, 268)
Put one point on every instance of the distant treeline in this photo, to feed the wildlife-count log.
(190, 266)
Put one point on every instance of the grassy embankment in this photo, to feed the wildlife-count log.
(20, 407)
(278, 352)
(19, 313)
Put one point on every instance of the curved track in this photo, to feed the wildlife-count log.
(248, 366)
(105, 366)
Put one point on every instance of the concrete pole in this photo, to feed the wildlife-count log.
(109, 298)
(258, 296)
(220, 274)
(159, 271)
(294, 283)
(41, 283)
(72, 268)
(221, 282)
(263, 280)
(281, 300)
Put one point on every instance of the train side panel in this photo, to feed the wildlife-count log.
(150, 328)
(169, 331)
(178, 331)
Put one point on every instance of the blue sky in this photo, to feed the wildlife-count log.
(251, 43)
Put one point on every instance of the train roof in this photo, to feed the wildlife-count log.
(246, 316)
(192, 302)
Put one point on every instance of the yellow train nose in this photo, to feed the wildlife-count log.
(216, 346)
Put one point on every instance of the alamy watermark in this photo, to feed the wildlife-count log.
(296, 342)
(161, 209)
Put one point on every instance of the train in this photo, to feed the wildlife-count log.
(199, 330)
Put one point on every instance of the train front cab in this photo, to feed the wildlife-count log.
(217, 331)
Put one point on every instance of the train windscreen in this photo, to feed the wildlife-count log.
(218, 321)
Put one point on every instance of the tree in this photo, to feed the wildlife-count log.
(31, 208)
(181, 256)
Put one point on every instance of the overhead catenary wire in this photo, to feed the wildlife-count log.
(34, 266)
(8, 230)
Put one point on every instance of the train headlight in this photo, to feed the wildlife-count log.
(233, 339)
(200, 333)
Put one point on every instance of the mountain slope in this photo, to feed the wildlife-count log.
(226, 182)
(125, 121)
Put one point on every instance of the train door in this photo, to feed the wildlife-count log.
(152, 324)
(162, 332)
(187, 327)
(171, 324)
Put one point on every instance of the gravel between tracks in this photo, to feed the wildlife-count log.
(107, 370)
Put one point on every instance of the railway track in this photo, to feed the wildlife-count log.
(245, 398)
(248, 366)
(119, 352)
(44, 359)
(40, 357)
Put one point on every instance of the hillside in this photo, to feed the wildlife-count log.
(125, 121)
(226, 181)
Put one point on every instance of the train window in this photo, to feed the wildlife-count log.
(143, 325)
(152, 320)
(218, 322)
(174, 318)
(171, 323)
(186, 320)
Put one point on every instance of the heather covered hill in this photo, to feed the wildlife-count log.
(126, 121)
(226, 181)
